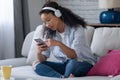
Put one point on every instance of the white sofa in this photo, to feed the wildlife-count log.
(97, 39)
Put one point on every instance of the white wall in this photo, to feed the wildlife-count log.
(88, 9)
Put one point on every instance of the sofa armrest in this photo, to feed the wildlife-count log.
(15, 62)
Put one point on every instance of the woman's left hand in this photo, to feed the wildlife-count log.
(52, 42)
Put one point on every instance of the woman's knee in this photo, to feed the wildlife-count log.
(72, 62)
(71, 65)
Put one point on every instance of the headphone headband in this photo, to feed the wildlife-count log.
(56, 11)
(49, 8)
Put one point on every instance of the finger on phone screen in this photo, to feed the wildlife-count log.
(40, 44)
(44, 46)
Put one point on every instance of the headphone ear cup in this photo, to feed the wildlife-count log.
(58, 13)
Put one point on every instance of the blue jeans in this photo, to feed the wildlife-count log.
(57, 69)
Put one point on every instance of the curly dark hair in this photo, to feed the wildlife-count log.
(68, 17)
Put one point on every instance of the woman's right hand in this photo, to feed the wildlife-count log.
(42, 47)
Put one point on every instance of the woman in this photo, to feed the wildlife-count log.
(65, 39)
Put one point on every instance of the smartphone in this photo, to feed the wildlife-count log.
(40, 41)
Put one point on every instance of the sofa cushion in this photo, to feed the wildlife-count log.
(27, 72)
(107, 65)
(38, 34)
(15, 62)
(27, 43)
(89, 31)
(105, 39)
(116, 78)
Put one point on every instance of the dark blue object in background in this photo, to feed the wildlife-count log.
(110, 17)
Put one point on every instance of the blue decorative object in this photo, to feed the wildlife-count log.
(110, 17)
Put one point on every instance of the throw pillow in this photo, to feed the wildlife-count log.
(107, 65)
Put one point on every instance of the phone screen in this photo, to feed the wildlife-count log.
(40, 41)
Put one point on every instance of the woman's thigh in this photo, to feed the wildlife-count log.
(57, 66)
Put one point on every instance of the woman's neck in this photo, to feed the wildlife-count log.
(61, 27)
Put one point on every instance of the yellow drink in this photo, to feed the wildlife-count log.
(6, 71)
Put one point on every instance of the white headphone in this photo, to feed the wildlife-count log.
(56, 11)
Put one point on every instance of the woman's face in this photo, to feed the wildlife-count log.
(50, 20)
